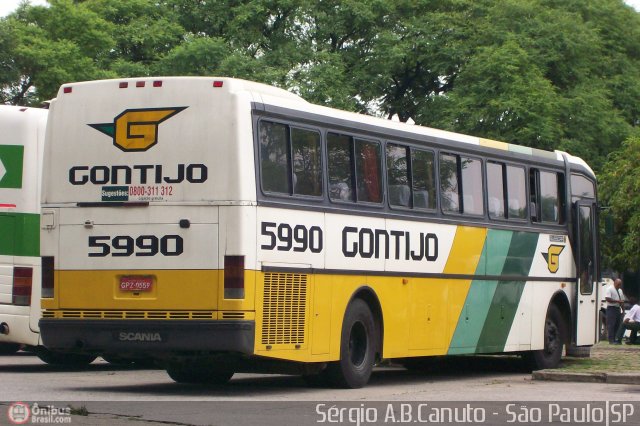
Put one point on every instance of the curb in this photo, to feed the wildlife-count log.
(609, 378)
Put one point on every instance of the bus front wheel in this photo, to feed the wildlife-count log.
(554, 338)
(199, 372)
(357, 348)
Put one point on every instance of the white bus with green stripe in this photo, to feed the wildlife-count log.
(21, 152)
(219, 226)
(21, 148)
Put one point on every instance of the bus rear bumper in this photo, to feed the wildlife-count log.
(147, 336)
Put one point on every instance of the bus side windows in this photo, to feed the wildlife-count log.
(398, 175)
(410, 177)
(340, 173)
(424, 179)
(581, 187)
(516, 193)
(506, 187)
(449, 188)
(496, 190)
(274, 157)
(461, 187)
(307, 164)
(290, 160)
(355, 169)
(368, 171)
(547, 195)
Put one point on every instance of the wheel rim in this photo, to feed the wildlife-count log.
(552, 337)
(358, 344)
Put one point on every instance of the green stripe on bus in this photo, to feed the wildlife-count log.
(20, 234)
(476, 308)
(521, 149)
(507, 295)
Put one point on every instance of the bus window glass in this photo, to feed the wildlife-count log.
(581, 187)
(495, 186)
(517, 192)
(587, 264)
(340, 174)
(274, 155)
(307, 170)
(472, 190)
(549, 211)
(368, 167)
(398, 176)
(449, 194)
(424, 179)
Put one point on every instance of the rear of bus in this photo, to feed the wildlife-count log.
(149, 185)
(21, 148)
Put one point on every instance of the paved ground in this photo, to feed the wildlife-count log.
(122, 396)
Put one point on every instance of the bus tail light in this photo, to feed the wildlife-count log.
(47, 276)
(22, 281)
(234, 277)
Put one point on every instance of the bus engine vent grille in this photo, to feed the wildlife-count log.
(284, 308)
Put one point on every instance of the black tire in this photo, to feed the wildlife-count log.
(357, 348)
(9, 348)
(63, 359)
(199, 372)
(578, 351)
(554, 338)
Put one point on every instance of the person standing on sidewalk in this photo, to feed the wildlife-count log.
(631, 322)
(615, 308)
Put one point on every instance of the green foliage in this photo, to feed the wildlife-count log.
(619, 188)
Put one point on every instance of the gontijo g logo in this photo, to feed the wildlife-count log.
(552, 256)
(136, 129)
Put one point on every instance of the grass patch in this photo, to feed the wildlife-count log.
(605, 358)
(79, 411)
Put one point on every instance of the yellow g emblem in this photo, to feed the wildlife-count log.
(136, 129)
(552, 256)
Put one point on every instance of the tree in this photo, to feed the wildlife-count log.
(43, 48)
(619, 188)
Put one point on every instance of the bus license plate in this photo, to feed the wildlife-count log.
(136, 283)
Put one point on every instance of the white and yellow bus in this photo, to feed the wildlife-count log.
(219, 225)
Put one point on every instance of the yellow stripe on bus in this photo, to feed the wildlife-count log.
(463, 259)
(173, 290)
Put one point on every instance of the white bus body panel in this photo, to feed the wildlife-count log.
(24, 127)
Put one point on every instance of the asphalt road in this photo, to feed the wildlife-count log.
(114, 395)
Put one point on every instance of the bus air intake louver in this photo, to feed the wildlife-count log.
(284, 308)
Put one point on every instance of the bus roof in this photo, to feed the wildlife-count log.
(276, 96)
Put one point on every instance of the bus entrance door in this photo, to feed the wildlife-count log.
(586, 306)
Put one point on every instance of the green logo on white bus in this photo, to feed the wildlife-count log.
(11, 166)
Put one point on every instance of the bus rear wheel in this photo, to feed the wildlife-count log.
(199, 372)
(554, 338)
(357, 348)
